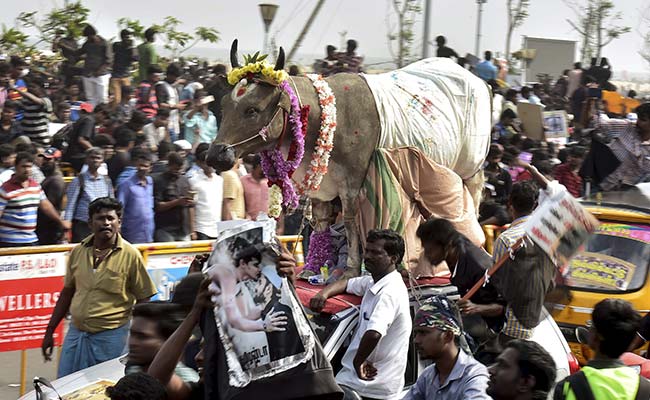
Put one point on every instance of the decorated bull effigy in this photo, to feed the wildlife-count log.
(397, 148)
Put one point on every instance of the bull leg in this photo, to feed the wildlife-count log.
(353, 236)
(321, 212)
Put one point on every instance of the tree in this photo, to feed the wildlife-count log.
(178, 41)
(174, 40)
(13, 41)
(644, 20)
(517, 14)
(133, 25)
(401, 35)
(71, 18)
(596, 23)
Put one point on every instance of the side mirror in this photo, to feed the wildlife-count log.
(582, 334)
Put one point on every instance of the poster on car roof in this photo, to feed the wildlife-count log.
(560, 226)
(259, 320)
(600, 270)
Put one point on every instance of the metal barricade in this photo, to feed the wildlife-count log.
(165, 262)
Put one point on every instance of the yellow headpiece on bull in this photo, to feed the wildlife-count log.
(256, 67)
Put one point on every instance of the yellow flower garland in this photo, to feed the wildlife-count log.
(260, 67)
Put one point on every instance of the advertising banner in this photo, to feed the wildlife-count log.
(28, 293)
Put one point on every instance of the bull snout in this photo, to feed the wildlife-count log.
(221, 157)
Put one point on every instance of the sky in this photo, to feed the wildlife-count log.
(363, 20)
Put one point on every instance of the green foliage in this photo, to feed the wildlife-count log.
(252, 59)
(174, 40)
(12, 40)
(133, 25)
(402, 35)
(597, 24)
(71, 18)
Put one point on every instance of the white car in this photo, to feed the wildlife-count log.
(336, 326)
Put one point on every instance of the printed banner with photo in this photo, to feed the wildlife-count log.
(560, 226)
(260, 321)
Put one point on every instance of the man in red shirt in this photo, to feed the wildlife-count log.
(256, 190)
(567, 173)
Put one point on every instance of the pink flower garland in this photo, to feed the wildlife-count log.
(320, 250)
(275, 167)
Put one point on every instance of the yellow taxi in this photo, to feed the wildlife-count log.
(613, 263)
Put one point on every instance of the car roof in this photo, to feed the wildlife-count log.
(342, 302)
(635, 199)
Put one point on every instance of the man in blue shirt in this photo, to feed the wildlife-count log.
(136, 196)
(85, 188)
(486, 69)
(439, 336)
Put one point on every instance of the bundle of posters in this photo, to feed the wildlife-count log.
(260, 321)
(560, 226)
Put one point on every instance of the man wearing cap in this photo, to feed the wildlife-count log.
(200, 122)
(455, 374)
(48, 229)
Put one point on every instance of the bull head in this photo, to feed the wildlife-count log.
(246, 111)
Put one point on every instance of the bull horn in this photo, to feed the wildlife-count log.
(279, 63)
(234, 62)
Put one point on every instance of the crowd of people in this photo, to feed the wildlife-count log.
(166, 359)
(136, 153)
(143, 142)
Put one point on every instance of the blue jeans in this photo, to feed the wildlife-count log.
(82, 349)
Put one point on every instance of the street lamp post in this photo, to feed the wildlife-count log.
(268, 13)
(478, 26)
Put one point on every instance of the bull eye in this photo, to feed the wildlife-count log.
(251, 111)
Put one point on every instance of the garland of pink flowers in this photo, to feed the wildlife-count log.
(325, 142)
(320, 250)
(278, 170)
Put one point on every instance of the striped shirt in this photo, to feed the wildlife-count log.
(19, 208)
(633, 154)
(94, 188)
(504, 242)
(36, 119)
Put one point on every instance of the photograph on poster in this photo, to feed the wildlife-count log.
(260, 321)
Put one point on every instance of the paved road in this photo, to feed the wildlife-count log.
(10, 372)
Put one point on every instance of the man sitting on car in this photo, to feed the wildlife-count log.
(375, 361)
(455, 374)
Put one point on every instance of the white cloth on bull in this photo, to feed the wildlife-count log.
(437, 106)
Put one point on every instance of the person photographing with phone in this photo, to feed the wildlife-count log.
(200, 122)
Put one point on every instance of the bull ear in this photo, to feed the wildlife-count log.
(234, 59)
(279, 63)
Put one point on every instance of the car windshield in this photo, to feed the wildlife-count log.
(614, 259)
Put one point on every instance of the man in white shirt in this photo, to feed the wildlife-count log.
(375, 361)
(208, 195)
